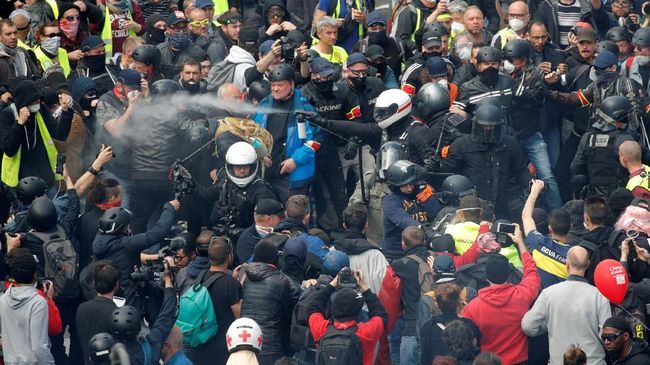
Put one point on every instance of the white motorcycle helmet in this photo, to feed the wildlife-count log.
(241, 154)
(244, 334)
(391, 106)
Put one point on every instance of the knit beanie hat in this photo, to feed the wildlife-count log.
(266, 252)
(619, 323)
(346, 304)
(497, 269)
(619, 200)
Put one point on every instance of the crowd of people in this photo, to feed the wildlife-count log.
(323, 182)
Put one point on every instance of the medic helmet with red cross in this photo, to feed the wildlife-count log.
(244, 334)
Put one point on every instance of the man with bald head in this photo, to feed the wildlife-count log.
(572, 311)
(629, 155)
(21, 19)
(518, 18)
(475, 26)
(172, 353)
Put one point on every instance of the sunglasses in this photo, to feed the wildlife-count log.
(179, 258)
(71, 18)
(611, 337)
(52, 35)
(198, 23)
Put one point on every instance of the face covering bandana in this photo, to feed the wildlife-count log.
(457, 27)
(516, 24)
(508, 67)
(156, 36)
(191, 87)
(69, 28)
(95, 62)
(122, 5)
(464, 52)
(489, 76)
(325, 87)
(34, 108)
(381, 68)
(642, 60)
(359, 83)
(179, 41)
(51, 45)
(377, 38)
(86, 104)
(427, 55)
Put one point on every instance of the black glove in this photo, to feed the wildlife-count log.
(432, 164)
(351, 148)
(429, 235)
(319, 121)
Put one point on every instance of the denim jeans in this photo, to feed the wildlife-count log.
(553, 141)
(395, 341)
(408, 353)
(535, 148)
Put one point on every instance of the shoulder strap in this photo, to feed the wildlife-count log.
(418, 259)
(212, 279)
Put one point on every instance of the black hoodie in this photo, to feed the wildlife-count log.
(262, 36)
(639, 354)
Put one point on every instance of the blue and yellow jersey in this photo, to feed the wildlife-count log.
(550, 257)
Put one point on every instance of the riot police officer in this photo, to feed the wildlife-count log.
(410, 203)
(392, 113)
(597, 156)
(453, 188)
(492, 161)
(240, 189)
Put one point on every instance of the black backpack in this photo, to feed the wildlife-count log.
(339, 347)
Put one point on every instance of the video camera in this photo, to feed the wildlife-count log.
(183, 183)
(287, 49)
(347, 279)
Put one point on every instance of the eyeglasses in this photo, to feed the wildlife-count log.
(179, 258)
(359, 72)
(71, 18)
(621, 4)
(611, 337)
(179, 29)
(517, 16)
(198, 23)
(52, 35)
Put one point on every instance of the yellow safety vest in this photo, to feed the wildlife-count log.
(418, 20)
(503, 36)
(220, 7)
(46, 62)
(337, 12)
(107, 34)
(24, 45)
(54, 7)
(11, 165)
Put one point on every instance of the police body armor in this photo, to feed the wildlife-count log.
(236, 207)
(603, 167)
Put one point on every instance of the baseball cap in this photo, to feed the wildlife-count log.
(605, 59)
(436, 66)
(586, 34)
(129, 77)
(202, 4)
(431, 39)
(373, 52)
(91, 42)
(444, 266)
(296, 246)
(265, 47)
(321, 67)
(334, 261)
(356, 58)
(376, 17)
(229, 17)
(176, 17)
(269, 207)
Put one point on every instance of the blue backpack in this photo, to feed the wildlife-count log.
(196, 317)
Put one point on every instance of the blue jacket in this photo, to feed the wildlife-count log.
(399, 213)
(302, 151)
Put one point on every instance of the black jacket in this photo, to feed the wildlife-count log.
(330, 107)
(474, 93)
(262, 36)
(361, 100)
(406, 23)
(354, 243)
(394, 52)
(87, 229)
(239, 203)
(547, 13)
(246, 243)
(465, 73)
(496, 170)
(528, 118)
(124, 251)
(639, 354)
(269, 299)
(407, 270)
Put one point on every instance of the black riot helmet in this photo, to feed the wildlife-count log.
(641, 37)
(147, 54)
(42, 216)
(259, 90)
(489, 124)
(125, 323)
(389, 153)
(165, 87)
(613, 113)
(401, 173)
(99, 348)
(114, 220)
(488, 54)
(607, 46)
(281, 72)
(516, 48)
(431, 101)
(30, 188)
(616, 34)
(453, 188)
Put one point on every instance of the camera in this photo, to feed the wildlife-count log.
(183, 183)
(287, 50)
(346, 278)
